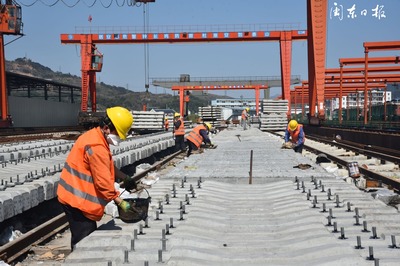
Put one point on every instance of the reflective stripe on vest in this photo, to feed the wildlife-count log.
(76, 186)
(181, 129)
(82, 194)
(195, 137)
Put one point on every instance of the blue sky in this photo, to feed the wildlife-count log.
(124, 63)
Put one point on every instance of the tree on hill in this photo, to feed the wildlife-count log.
(109, 95)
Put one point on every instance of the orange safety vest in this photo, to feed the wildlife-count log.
(87, 179)
(244, 115)
(195, 137)
(295, 134)
(181, 129)
(166, 124)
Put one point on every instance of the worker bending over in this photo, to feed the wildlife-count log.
(295, 136)
(197, 136)
(87, 179)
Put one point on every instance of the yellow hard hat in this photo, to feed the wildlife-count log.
(122, 120)
(247, 109)
(208, 125)
(293, 125)
(177, 114)
(166, 118)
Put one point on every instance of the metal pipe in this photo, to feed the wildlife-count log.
(374, 235)
(159, 255)
(342, 236)
(359, 243)
(365, 228)
(126, 256)
(357, 221)
(337, 201)
(371, 253)
(348, 206)
(251, 168)
(324, 207)
(335, 227)
(132, 244)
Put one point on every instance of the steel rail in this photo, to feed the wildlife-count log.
(393, 183)
(367, 173)
(154, 167)
(14, 249)
(380, 153)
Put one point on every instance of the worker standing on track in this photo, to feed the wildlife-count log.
(245, 117)
(295, 135)
(87, 179)
(166, 124)
(197, 136)
(179, 132)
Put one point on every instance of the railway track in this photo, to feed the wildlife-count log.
(13, 250)
(368, 174)
(381, 153)
(36, 133)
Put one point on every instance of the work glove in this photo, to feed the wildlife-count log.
(129, 184)
(124, 205)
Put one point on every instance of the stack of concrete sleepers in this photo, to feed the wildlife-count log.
(274, 115)
(148, 121)
(30, 170)
(212, 115)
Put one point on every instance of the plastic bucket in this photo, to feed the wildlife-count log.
(353, 169)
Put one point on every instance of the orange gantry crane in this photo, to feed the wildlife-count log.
(342, 81)
(10, 23)
(315, 36)
(89, 41)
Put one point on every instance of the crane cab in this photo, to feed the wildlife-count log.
(96, 62)
(10, 18)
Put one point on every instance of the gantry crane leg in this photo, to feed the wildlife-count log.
(316, 25)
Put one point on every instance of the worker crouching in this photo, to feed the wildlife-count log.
(87, 179)
(197, 136)
(295, 136)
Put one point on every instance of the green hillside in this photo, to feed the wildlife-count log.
(109, 95)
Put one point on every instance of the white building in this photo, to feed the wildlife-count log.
(354, 99)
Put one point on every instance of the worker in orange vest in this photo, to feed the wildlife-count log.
(179, 132)
(166, 124)
(245, 117)
(87, 180)
(197, 136)
(295, 135)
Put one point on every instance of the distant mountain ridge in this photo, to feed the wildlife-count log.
(109, 95)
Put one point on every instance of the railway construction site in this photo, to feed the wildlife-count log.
(248, 201)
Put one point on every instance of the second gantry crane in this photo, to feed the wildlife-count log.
(10, 23)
